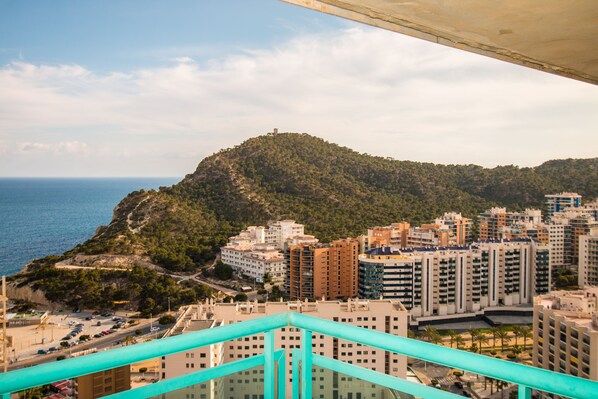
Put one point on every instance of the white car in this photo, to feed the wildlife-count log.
(154, 329)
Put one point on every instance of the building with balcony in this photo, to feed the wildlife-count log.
(558, 202)
(494, 220)
(257, 251)
(588, 259)
(441, 282)
(256, 261)
(566, 332)
(103, 383)
(322, 270)
(379, 315)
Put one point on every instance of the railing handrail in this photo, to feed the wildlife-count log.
(544, 380)
(42, 374)
(533, 377)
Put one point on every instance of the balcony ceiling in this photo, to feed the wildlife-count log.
(555, 36)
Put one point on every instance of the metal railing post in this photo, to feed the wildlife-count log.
(295, 374)
(524, 392)
(282, 376)
(306, 364)
(269, 372)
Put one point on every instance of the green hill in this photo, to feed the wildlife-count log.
(334, 191)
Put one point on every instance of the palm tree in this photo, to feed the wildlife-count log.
(494, 332)
(432, 334)
(473, 332)
(459, 341)
(526, 333)
(516, 350)
(517, 332)
(128, 340)
(452, 334)
(503, 335)
(481, 339)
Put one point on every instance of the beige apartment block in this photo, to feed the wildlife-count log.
(103, 383)
(380, 315)
(588, 259)
(566, 332)
(493, 221)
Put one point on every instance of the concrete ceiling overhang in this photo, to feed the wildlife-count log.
(555, 36)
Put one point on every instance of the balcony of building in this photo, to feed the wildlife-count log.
(266, 373)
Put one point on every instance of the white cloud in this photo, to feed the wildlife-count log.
(368, 89)
(60, 148)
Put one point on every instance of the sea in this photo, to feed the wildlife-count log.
(46, 216)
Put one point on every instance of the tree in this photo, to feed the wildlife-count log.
(432, 335)
(459, 341)
(452, 334)
(517, 333)
(473, 333)
(128, 340)
(481, 339)
(526, 333)
(494, 332)
(240, 297)
(222, 271)
(503, 335)
(166, 319)
(64, 344)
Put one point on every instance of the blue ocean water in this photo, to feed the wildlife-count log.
(45, 216)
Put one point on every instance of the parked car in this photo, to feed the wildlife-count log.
(53, 349)
(154, 329)
(42, 352)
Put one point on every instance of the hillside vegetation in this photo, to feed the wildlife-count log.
(334, 191)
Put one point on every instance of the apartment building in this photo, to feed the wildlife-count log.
(322, 270)
(459, 226)
(394, 235)
(493, 221)
(558, 202)
(103, 383)
(257, 251)
(429, 235)
(566, 332)
(255, 261)
(436, 282)
(448, 230)
(588, 259)
(380, 315)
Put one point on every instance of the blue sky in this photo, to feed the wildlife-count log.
(148, 88)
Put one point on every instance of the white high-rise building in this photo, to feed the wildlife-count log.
(387, 316)
(558, 202)
(257, 251)
(435, 283)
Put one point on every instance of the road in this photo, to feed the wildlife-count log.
(103, 343)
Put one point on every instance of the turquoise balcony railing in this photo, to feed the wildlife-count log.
(273, 362)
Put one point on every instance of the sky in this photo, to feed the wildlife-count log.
(149, 88)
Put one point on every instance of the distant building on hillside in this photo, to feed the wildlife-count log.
(439, 282)
(322, 270)
(493, 221)
(558, 202)
(448, 230)
(257, 251)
